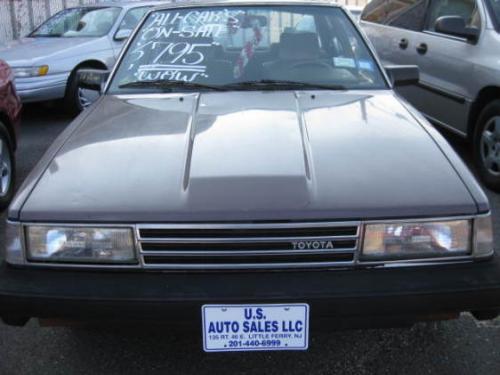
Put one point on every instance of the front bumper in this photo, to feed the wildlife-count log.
(391, 295)
(35, 89)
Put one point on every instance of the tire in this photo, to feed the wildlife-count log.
(487, 145)
(74, 101)
(7, 168)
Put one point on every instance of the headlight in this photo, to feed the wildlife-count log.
(80, 244)
(407, 240)
(32, 71)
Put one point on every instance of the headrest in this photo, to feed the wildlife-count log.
(299, 46)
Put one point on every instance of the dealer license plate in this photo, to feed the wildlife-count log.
(255, 327)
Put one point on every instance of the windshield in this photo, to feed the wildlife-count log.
(79, 22)
(247, 48)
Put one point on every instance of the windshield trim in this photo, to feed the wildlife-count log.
(95, 7)
(386, 81)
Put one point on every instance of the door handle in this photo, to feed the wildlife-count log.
(422, 48)
(403, 43)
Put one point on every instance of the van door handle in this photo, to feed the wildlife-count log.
(403, 43)
(422, 48)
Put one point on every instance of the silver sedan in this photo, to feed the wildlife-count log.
(46, 62)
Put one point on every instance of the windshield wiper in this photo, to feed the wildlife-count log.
(264, 84)
(164, 84)
(271, 84)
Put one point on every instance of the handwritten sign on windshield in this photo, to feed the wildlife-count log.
(175, 45)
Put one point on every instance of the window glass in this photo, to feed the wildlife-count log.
(132, 18)
(230, 45)
(410, 17)
(494, 7)
(467, 9)
(307, 23)
(374, 11)
(79, 22)
(270, 35)
(406, 14)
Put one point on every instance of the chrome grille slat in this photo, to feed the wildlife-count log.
(279, 225)
(242, 253)
(248, 246)
(244, 239)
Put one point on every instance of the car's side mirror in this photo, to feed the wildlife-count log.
(92, 79)
(456, 26)
(122, 34)
(403, 75)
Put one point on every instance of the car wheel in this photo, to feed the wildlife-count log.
(78, 98)
(487, 145)
(7, 168)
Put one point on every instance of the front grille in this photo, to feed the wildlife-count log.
(248, 246)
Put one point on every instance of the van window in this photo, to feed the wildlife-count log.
(467, 9)
(405, 14)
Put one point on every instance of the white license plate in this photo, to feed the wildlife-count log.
(229, 328)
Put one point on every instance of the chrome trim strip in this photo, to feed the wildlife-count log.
(426, 261)
(419, 220)
(421, 264)
(447, 36)
(359, 244)
(85, 266)
(441, 124)
(249, 266)
(77, 225)
(442, 92)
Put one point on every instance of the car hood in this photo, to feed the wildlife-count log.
(246, 156)
(27, 51)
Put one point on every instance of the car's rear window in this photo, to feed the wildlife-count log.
(227, 45)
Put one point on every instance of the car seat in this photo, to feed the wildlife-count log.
(299, 56)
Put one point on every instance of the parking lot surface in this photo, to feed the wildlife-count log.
(463, 346)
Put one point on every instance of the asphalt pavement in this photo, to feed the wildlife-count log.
(461, 346)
